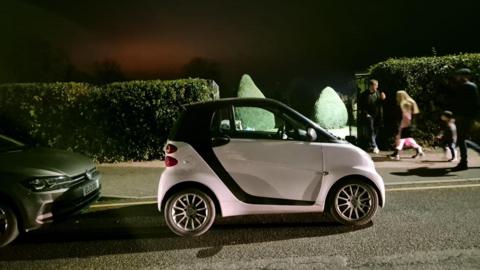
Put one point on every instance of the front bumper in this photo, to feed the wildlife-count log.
(45, 207)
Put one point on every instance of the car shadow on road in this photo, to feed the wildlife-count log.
(426, 172)
(381, 158)
(430, 172)
(141, 229)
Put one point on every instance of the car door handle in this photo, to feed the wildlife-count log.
(219, 141)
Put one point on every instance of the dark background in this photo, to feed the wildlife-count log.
(283, 45)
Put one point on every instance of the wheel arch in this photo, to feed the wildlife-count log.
(11, 202)
(189, 185)
(356, 177)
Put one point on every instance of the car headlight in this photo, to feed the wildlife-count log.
(47, 183)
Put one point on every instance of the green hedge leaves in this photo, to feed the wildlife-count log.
(113, 122)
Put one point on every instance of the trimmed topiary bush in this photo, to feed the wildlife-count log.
(428, 81)
(247, 88)
(253, 117)
(330, 111)
(113, 122)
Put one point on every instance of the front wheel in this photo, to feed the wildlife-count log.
(353, 202)
(189, 212)
(8, 225)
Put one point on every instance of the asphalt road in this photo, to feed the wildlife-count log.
(418, 229)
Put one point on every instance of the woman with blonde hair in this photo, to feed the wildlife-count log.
(404, 138)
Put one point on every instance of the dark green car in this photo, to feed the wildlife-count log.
(40, 185)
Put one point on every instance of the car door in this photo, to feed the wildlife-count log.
(268, 155)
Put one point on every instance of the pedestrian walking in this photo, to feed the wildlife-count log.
(371, 112)
(447, 138)
(465, 105)
(404, 138)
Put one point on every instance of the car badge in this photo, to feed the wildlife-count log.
(89, 175)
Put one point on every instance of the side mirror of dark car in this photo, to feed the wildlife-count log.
(311, 134)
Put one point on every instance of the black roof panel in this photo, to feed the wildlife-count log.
(232, 101)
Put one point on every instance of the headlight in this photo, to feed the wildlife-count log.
(47, 183)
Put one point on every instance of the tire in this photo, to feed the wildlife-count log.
(189, 212)
(8, 225)
(353, 202)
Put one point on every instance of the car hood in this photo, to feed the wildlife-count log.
(44, 162)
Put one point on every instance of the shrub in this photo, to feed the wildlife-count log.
(113, 122)
(427, 80)
(247, 88)
(49, 113)
(330, 111)
(253, 118)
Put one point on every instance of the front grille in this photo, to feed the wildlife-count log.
(77, 179)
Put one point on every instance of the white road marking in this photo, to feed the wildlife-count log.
(433, 181)
(110, 205)
(129, 197)
(432, 187)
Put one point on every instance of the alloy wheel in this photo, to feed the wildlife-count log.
(353, 202)
(3, 222)
(190, 212)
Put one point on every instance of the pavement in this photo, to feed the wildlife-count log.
(139, 180)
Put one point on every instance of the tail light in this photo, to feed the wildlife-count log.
(170, 149)
(170, 161)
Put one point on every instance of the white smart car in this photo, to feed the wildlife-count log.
(245, 156)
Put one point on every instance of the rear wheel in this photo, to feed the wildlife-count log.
(353, 202)
(190, 212)
(8, 225)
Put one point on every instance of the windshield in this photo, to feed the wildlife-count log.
(9, 144)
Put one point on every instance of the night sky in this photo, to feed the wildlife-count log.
(276, 42)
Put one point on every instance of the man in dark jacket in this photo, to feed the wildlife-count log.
(465, 104)
(371, 112)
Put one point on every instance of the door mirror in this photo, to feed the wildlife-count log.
(311, 134)
(220, 140)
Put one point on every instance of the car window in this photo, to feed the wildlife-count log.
(262, 123)
(294, 129)
(255, 122)
(221, 122)
(254, 119)
(252, 122)
(8, 144)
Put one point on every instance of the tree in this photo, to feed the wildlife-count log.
(107, 71)
(203, 68)
(29, 59)
(330, 111)
(301, 95)
(253, 117)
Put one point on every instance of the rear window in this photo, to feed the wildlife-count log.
(193, 124)
(177, 125)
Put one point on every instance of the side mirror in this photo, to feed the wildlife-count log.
(311, 134)
(221, 140)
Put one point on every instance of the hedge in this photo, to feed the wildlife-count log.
(428, 80)
(113, 122)
(330, 111)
